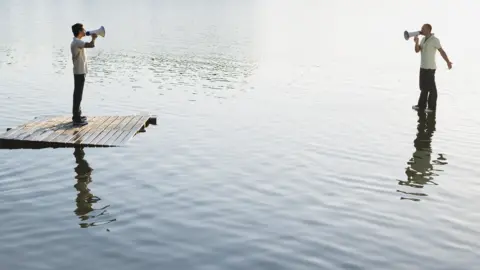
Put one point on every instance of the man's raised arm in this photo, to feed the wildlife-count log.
(91, 44)
(417, 46)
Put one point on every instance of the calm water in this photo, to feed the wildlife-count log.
(285, 137)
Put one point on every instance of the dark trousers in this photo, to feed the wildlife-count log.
(79, 80)
(428, 89)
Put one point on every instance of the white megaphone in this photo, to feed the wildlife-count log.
(100, 31)
(408, 35)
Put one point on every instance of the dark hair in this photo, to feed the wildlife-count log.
(77, 28)
(429, 26)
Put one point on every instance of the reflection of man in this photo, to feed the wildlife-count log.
(419, 172)
(421, 160)
(428, 48)
(85, 200)
(84, 197)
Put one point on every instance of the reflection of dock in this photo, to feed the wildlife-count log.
(58, 131)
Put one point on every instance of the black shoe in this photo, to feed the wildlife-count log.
(418, 108)
(83, 118)
(80, 122)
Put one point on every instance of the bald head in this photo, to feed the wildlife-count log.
(427, 29)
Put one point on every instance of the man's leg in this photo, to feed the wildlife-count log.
(432, 98)
(77, 96)
(423, 83)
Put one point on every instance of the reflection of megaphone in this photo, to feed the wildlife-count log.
(408, 35)
(100, 31)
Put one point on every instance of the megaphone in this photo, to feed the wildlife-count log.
(100, 31)
(408, 35)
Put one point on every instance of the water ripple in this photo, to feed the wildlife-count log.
(274, 149)
(212, 75)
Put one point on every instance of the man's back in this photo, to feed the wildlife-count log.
(429, 46)
(79, 57)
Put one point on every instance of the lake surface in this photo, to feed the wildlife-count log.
(285, 137)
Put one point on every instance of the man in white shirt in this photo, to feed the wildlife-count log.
(80, 70)
(428, 48)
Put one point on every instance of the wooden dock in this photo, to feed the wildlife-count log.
(58, 131)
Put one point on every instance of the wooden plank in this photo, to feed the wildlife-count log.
(97, 131)
(15, 131)
(140, 125)
(104, 131)
(127, 127)
(43, 130)
(41, 127)
(68, 134)
(132, 129)
(115, 130)
(107, 130)
(86, 129)
(9, 134)
(42, 134)
(58, 131)
(29, 130)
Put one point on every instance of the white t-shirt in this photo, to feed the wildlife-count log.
(428, 52)
(79, 57)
